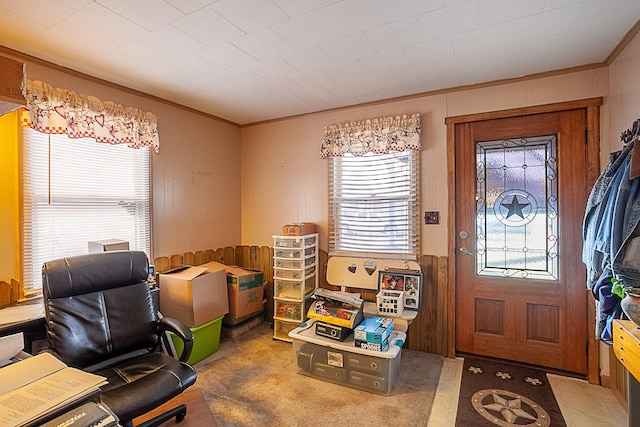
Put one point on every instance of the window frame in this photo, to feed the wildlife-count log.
(131, 200)
(410, 227)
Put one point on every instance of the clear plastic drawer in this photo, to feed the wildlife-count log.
(281, 328)
(294, 263)
(294, 253)
(294, 289)
(289, 310)
(294, 241)
(283, 273)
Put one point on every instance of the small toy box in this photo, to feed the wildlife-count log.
(299, 229)
(374, 330)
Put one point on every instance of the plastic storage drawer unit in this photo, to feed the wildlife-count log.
(295, 277)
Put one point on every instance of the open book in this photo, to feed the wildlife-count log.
(41, 385)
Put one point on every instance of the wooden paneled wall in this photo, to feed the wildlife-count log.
(427, 333)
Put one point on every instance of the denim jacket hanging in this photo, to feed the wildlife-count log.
(599, 216)
(625, 241)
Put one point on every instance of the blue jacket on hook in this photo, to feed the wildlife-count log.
(611, 236)
(598, 216)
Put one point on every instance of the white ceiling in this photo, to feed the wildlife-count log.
(253, 60)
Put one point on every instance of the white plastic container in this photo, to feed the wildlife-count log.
(390, 302)
(340, 362)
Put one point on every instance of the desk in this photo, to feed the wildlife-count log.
(626, 346)
(33, 329)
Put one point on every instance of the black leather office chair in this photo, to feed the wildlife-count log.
(100, 318)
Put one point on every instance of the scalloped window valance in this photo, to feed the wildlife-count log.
(381, 135)
(58, 111)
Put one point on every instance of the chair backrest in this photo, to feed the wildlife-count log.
(99, 307)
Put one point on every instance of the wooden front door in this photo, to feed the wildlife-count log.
(520, 193)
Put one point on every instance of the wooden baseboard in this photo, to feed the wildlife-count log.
(605, 381)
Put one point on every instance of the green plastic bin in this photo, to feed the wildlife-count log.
(206, 340)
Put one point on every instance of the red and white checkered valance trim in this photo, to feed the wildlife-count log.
(379, 136)
(59, 111)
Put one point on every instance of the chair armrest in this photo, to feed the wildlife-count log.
(168, 324)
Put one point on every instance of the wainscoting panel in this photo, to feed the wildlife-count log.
(427, 333)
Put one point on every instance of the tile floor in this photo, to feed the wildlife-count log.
(582, 404)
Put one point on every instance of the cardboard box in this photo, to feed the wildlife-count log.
(373, 346)
(374, 329)
(108, 245)
(299, 229)
(194, 295)
(206, 341)
(245, 290)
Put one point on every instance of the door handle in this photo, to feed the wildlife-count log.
(465, 251)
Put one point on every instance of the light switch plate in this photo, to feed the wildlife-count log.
(432, 217)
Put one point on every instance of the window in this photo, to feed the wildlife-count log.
(79, 190)
(374, 204)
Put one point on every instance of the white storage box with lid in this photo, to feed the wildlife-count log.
(340, 362)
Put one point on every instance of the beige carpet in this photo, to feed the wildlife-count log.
(253, 380)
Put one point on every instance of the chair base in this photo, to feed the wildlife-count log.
(179, 412)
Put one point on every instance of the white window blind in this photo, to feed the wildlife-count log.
(79, 190)
(374, 204)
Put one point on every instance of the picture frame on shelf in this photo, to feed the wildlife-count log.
(407, 281)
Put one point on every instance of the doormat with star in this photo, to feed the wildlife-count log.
(493, 393)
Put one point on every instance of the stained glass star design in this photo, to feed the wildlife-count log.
(515, 207)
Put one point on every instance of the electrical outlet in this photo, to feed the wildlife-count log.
(432, 217)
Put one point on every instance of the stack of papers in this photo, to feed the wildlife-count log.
(41, 385)
(10, 346)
